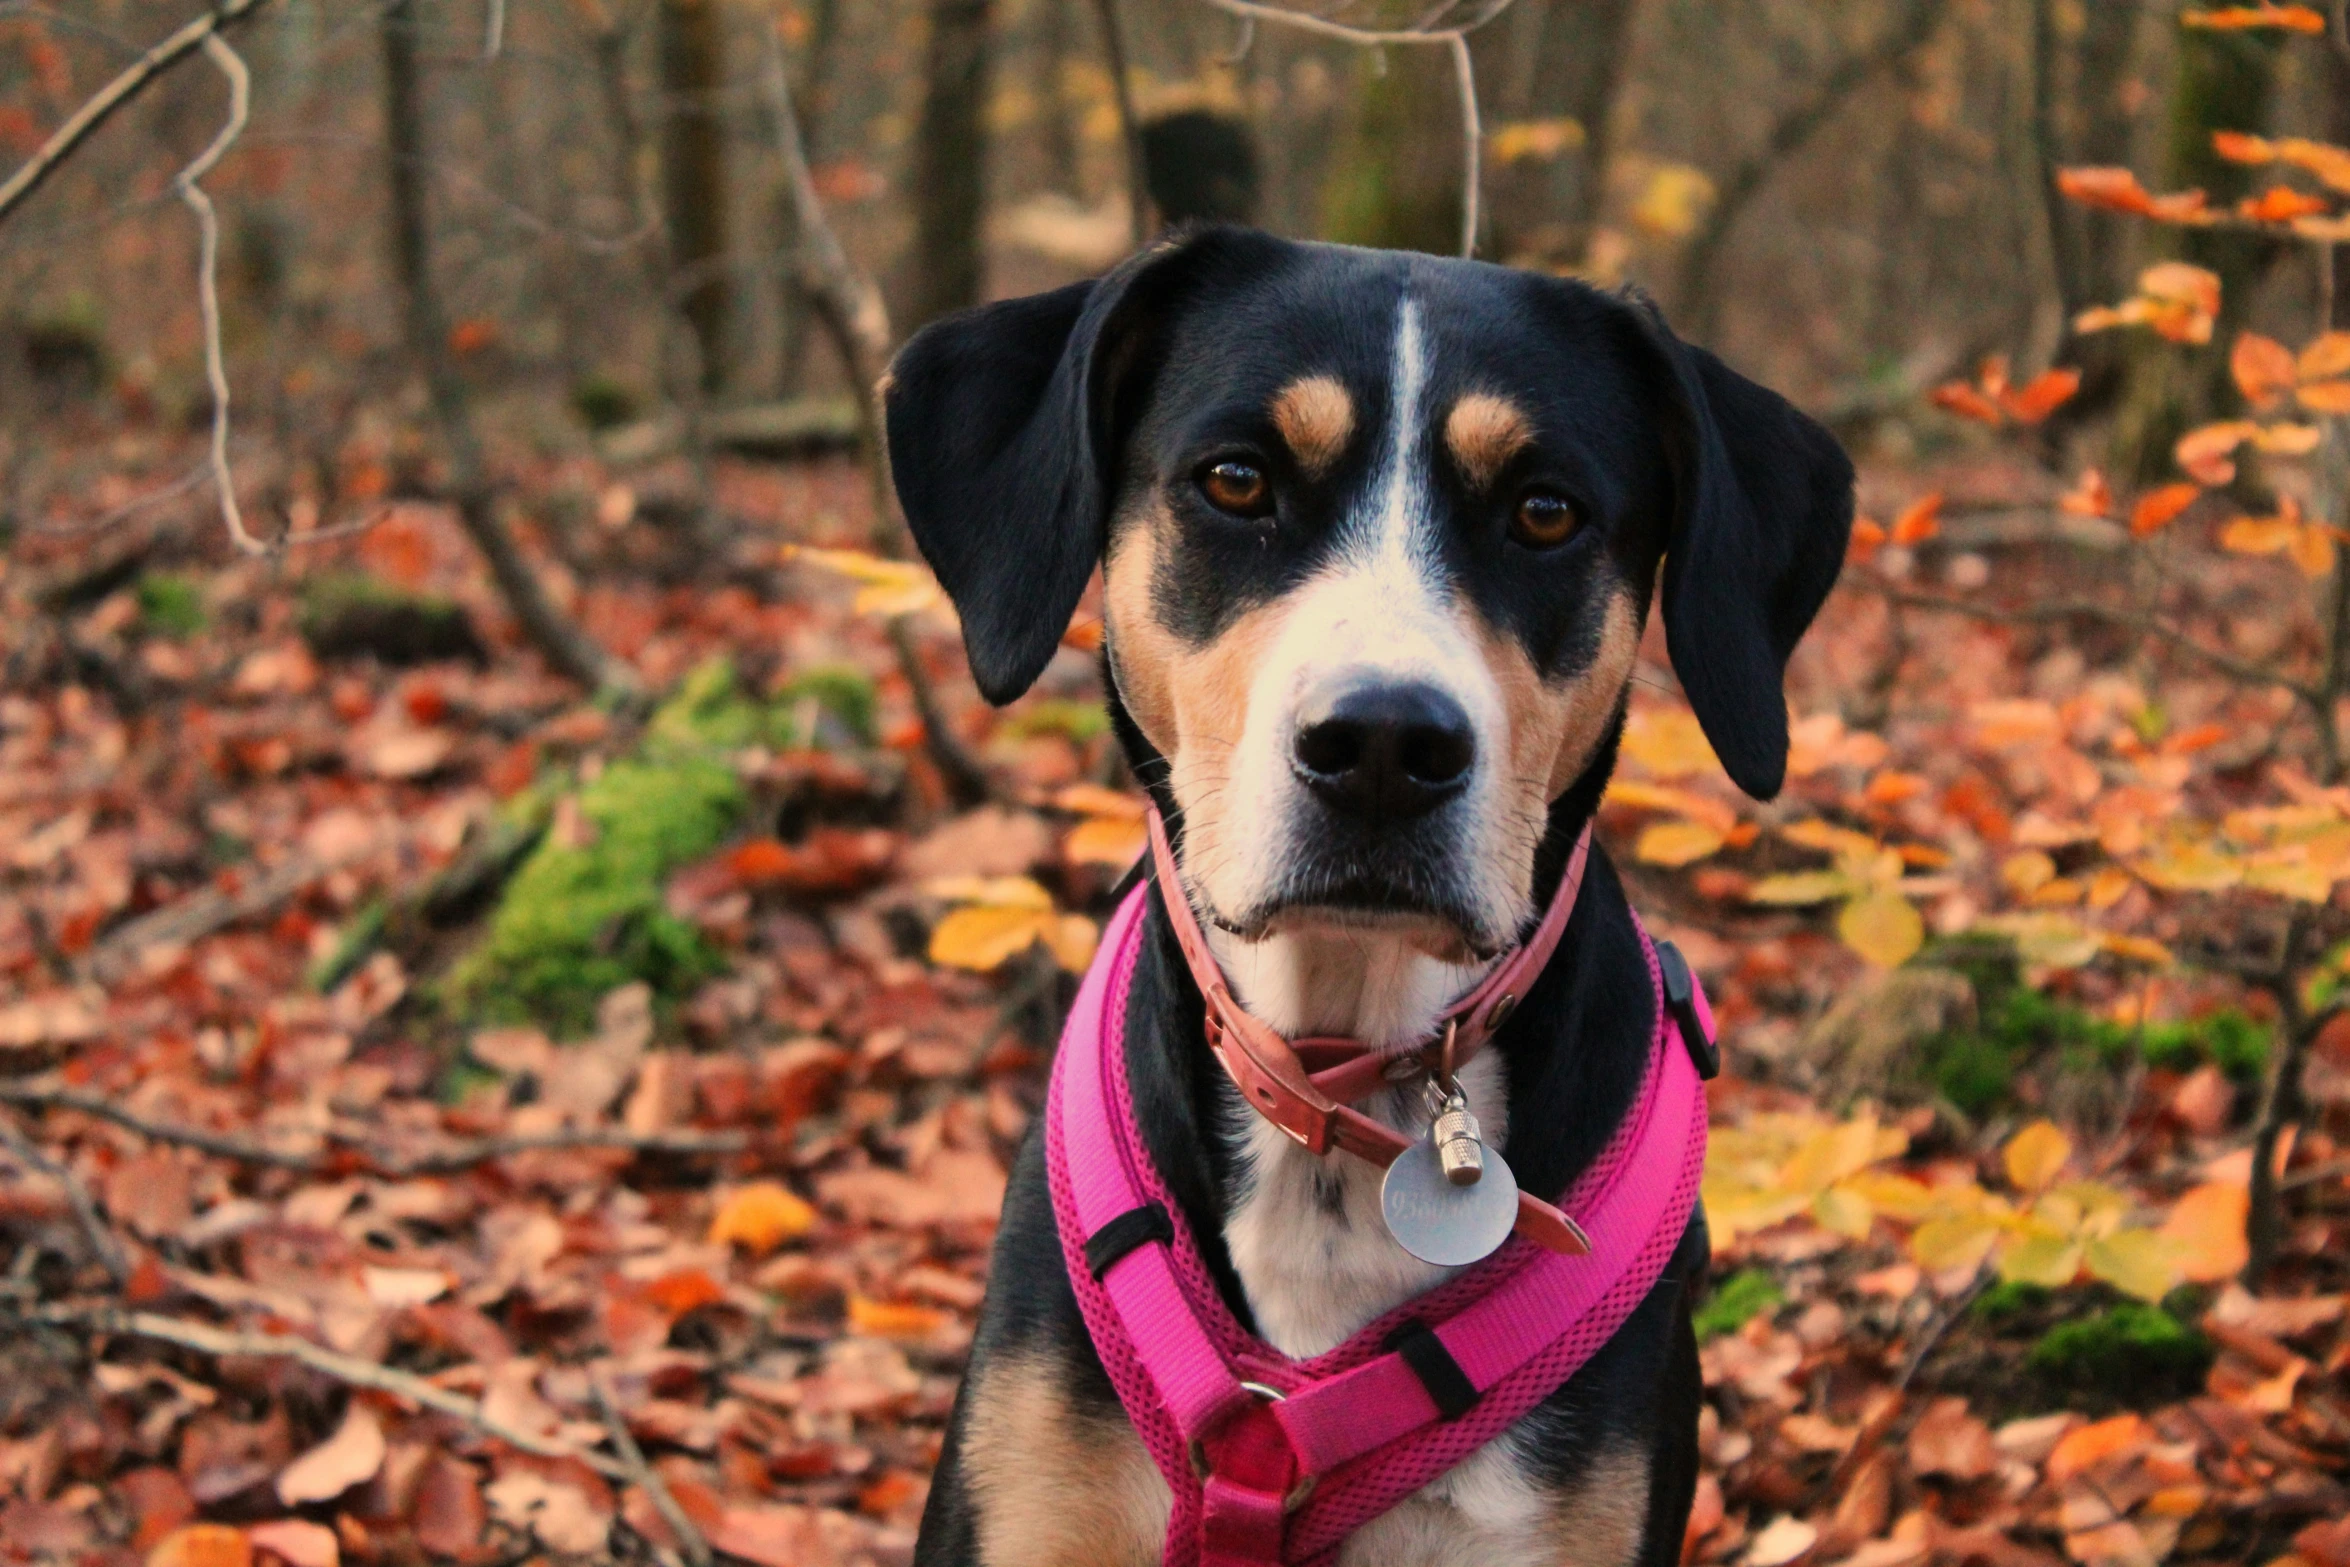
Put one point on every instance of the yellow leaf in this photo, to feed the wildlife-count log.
(983, 937)
(2312, 550)
(760, 1217)
(2035, 1156)
(2326, 397)
(1519, 141)
(1072, 938)
(893, 1319)
(1883, 927)
(1673, 200)
(2107, 887)
(2044, 1258)
(1961, 1241)
(1844, 1211)
(2191, 867)
(2258, 535)
(2136, 1262)
(1842, 842)
(886, 587)
(2045, 940)
(1675, 843)
(2287, 440)
(2026, 873)
(1831, 1154)
(2206, 1227)
(1667, 742)
(1633, 794)
(2139, 949)
(1105, 840)
(1800, 887)
(994, 892)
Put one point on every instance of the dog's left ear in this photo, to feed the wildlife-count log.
(1002, 448)
(1762, 513)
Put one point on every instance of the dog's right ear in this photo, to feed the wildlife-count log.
(1000, 443)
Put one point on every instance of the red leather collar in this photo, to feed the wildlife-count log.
(1305, 1087)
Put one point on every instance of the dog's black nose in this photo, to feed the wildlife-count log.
(1390, 752)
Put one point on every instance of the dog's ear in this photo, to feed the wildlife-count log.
(1762, 512)
(1000, 442)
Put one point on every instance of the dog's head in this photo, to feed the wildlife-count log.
(1379, 534)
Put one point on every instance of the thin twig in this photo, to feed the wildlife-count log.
(2088, 609)
(103, 1245)
(135, 79)
(383, 1161)
(1464, 71)
(1138, 183)
(1938, 1328)
(966, 780)
(348, 1369)
(632, 1457)
(240, 103)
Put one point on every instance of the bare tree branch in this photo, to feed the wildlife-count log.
(347, 1369)
(136, 78)
(696, 1549)
(1138, 182)
(240, 105)
(77, 1196)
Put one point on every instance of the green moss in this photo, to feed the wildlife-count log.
(579, 920)
(1739, 1298)
(603, 402)
(170, 605)
(841, 692)
(2005, 1302)
(1080, 721)
(2020, 1029)
(2139, 1347)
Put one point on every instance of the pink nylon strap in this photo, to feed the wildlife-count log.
(1356, 1421)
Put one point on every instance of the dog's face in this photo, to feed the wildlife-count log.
(1379, 533)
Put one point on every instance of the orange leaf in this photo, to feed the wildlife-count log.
(1963, 400)
(686, 1289)
(2156, 508)
(2114, 189)
(2325, 356)
(2263, 368)
(2237, 18)
(2085, 1447)
(472, 336)
(2207, 1227)
(887, 1319)
(761, 1217)
(2237, 147)
(2312, 550)
(1868, 537)
(2041, 396)
(1920, 522)
(2182, 283)
(2331, 164)
(2258, 535)
(2091, 496)
(202, 1545)
(2326, 397)
(761, 860)
(2207, 452)
(2281, 204)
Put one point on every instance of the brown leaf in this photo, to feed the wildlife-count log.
(352, 1455)
(1948, 1441)
(158, 1499)
(449, 1515)
(772, 1536)
(2203, 1101)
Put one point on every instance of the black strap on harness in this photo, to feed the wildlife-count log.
(1681, 1001)
(1449, 1387)
(1136, 1227)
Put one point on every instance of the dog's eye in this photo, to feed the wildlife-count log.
(1237, 487)
(1544, 520)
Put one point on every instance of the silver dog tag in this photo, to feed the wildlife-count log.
(1439, 1222)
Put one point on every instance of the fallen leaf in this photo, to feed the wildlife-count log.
(353, 1454)
(760, 1217)
(296, 1541)
(202, 1545)
(1784, 1539)
(1948, 1441)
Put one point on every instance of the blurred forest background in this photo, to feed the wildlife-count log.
(524, 960)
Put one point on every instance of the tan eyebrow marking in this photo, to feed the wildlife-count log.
(1315, 416)
(1484, 432)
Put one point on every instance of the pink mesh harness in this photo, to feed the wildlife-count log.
(1273, 1460)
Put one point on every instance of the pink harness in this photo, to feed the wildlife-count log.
(1276, 1461)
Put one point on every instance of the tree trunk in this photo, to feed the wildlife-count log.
(1056, 47)
(950, 162)
(693, 167)
(1396, 181)
(2226, 81)
(1574, 66)
(2078, 118)
(565, 645)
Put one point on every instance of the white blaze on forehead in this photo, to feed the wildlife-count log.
(1380, 612)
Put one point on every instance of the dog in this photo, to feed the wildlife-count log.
(1379, 534)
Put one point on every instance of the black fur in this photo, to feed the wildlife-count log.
(1018, 429)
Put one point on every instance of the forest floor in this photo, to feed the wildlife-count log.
(314, 1242)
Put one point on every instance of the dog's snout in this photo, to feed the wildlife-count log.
(1386, 751)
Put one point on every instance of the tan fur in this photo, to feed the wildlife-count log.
(1052, 1487)
(1190, 702)
(1315, 416)
(1556, 726)
(1484, 432)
